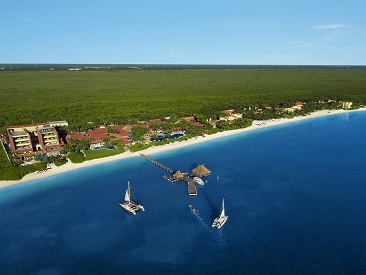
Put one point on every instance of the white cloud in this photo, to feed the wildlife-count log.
(329, 26)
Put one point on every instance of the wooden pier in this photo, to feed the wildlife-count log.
(177, 176)
(162, 166)
(192, 189)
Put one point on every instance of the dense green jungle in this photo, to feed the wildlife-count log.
(126, 96)
(121, 96)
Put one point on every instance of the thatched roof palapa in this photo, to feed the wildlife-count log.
(178, 175)
(201, 171)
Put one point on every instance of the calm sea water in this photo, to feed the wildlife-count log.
(295, 196)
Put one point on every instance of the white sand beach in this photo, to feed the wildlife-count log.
(157, 149)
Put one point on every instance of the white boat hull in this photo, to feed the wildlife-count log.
(132, 207)
(128, 208)
(198, 180)
(219, 222)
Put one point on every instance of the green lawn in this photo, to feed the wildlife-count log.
(96, 154)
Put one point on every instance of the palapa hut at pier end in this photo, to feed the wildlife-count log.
(178, 175)
(201, 171)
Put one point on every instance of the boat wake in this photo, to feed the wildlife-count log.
(201, 221)
(218, 235)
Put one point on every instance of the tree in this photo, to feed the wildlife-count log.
(138, 134)
(110, 130)
(223, 125)
(155, 127)
(106, 142)
(89, 140)
(242, 122)
(139, 131)
(67, 148)
(154, 136)
(84, 145)
(76, 157)
(138, 139)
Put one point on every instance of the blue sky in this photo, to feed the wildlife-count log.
(279, 32)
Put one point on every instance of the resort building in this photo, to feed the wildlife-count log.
(299, 103)
(35, 138)
(229, 115)
(148, 135)
(187, 119)
(296, 107)
(155, 121)
(191, 120)
(96, 137)
(346, 105)
(58, 123)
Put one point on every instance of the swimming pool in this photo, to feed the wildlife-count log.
(161, 138)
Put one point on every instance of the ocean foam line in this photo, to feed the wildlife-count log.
(171, 146)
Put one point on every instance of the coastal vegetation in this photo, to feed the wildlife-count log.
(7, 170)
(79, 150)
(10, 170)
(91, 98)
(142, 146)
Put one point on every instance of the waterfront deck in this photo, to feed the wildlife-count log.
(192, 189)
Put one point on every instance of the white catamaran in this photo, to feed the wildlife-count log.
(129, 205)
(220, 220)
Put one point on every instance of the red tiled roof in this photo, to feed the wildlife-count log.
(156, 121)
(190, 118)
(101, 133)
(194, 123)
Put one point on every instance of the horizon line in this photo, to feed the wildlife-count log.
(185, 64)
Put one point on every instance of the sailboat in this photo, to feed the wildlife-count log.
(220, 220)
(130, 205)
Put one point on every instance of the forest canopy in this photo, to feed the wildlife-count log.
(123, 96)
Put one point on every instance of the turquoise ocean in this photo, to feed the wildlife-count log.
(295, 196)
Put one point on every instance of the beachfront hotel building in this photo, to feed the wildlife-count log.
(35, 138)
(98, 135)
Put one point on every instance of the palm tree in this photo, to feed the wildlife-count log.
(89, 140)
(67, 148)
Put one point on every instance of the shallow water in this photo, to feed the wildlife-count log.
(294, 194)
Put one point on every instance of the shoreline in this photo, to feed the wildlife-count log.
(171, 146)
